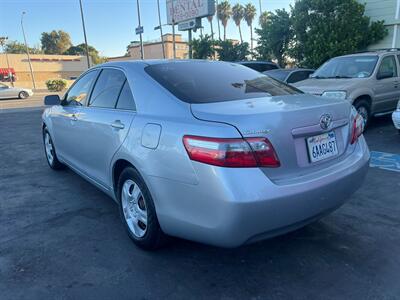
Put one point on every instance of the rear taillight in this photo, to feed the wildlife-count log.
(238, 153)
(358, 128)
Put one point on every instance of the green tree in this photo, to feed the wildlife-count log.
(275, 36)
(229, 51)
(250, 12)
(55, 42)
(19, 48)
(81, 50)
(328, 28)
(224, 12)
(237, 16)
(203, 48)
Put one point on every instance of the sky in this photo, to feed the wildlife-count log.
(110, 24)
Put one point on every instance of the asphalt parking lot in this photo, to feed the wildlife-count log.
(62, 238)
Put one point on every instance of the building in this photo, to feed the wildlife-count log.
(389, 11)
(153, 49)
(44, 67)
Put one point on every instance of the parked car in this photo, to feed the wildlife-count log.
(208, 151)
(396, 117)
(7, 92)
(290, 76)
(370, 81)
(260, 66)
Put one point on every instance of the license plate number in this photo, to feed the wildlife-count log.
(322, 146)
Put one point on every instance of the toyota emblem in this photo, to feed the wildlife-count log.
(325, 121)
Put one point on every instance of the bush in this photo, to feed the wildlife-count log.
(56, 85)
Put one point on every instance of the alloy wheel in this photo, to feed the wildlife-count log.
(134, 208)
(364, 113)
(49, 148)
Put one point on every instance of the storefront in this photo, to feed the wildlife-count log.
(44, 67)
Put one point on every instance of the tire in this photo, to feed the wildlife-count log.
(23, 95)
(137, 211)
(50, 151)
(363, 108)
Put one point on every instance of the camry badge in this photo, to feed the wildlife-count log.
(325, 121)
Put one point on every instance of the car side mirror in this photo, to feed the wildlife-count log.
(383, 75)
(52, 100)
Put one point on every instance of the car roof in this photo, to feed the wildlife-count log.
(250, 62)
(288, 70)
(373, 52)
(148, 62)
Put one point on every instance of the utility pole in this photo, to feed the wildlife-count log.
(259, 1)
(84, 35)
(190, 44)
(161, 33)
(27, 51)
(140, 35)
(3, 41)
(173, 29)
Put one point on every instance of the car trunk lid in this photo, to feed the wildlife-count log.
(287, 121)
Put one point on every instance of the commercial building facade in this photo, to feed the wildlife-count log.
(44, 67)
(153, 49)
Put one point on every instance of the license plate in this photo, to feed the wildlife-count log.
(322, 146)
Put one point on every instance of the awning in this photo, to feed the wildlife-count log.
(6, 71)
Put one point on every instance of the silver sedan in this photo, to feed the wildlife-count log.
(7, 92)
(212, 152)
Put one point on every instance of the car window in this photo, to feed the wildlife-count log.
(78, 93)
(107, 88)
(213, 81)
(298, 76)
(279, 74)
(357, 66)
(125, 100)
(388, 65)
(267, 67)
(252, 66)
(257, 67)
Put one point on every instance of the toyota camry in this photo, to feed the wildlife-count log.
(209, 151)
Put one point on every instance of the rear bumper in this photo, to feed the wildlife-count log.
(396, 119)
(231, 207)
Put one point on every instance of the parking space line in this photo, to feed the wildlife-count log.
(385, 161)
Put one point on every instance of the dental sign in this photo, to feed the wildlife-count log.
(183, 10)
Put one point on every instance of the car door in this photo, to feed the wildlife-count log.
(104, 123)
(6, 91)
(387, 90)
(64, 118)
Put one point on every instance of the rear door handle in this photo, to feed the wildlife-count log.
(117, 124)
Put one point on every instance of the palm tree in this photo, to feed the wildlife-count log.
(249, 15)
(263, 19)
(210, 19)
(237, 16)
(224, 12)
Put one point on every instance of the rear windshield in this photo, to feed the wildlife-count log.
(208, 81)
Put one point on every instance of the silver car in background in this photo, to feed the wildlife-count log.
(396, 117)
(208, 151)
(8, 92)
